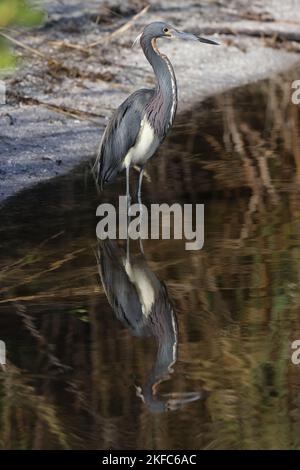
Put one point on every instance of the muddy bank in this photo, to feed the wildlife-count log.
(59, 101)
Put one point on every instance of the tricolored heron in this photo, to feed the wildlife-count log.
(141, 302)
(142, 121)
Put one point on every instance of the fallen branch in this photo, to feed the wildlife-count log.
(28, 48)
(122, 29)
(107, 38)
(70, 46)
(62, 68)
(71, 112)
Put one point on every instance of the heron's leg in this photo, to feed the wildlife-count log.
(140, 186)
(140, 200)
(128, 249)
(141, 246)
(128, 218)
(127, 188)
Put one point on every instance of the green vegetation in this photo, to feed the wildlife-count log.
(15, 13)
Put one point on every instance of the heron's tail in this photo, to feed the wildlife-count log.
(103, 175)
(96, 171)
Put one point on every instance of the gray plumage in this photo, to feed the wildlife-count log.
(120, 292)
(143, 120)
(125, 283)
(120, 135)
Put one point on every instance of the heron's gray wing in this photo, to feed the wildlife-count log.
(120, 135)
(164, 324)
(120, 292)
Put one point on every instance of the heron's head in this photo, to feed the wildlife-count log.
(160, 29)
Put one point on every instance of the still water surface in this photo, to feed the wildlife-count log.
(211, 367)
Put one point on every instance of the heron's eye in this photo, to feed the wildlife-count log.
(166, 30)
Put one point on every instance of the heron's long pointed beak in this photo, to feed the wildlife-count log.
(193, 37)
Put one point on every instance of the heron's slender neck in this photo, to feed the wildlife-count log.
(162, 108)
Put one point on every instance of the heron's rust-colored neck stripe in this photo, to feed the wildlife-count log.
(155, 47)
(161, 108)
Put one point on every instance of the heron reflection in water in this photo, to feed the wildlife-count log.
(141, 302)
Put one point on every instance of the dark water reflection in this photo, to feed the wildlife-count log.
(80, 375)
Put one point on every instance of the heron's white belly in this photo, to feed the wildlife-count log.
(143, 285)
(145, 146)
